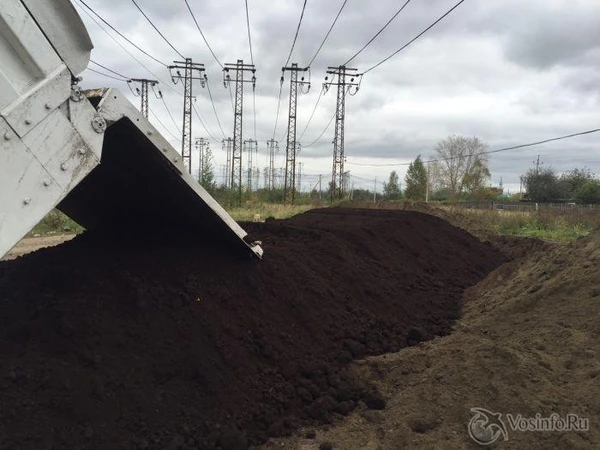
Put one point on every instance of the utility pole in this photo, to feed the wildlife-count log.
(240, 70)
(202, 145)
(272, 146)
(142, 92)
(343, 87)
(537, 165)
(375, 191)
(227, 146)
(427, 185)
(320, 187)
(345, 180)
(250, 146)
(192, 71)
(289, 186)
(300, 164)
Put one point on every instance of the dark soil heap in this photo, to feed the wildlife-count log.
(139, 344)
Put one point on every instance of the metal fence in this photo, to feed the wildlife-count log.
(525, 206)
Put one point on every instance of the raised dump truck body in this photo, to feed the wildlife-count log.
(91, 154)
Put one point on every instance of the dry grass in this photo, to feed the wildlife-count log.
(266, 210)
(554, 225)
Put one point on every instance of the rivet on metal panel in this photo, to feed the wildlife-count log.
(76, 94)
(6, 136)
(46, 183)
(63, 166)
(149, 132)
(99, 124)
(176, 159)
(48, 106)
(82, 151)
(164, 149)
(28, 121)
(26, 201)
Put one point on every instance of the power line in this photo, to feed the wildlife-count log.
(214, 108)
(168, 111)
(278, 107)
(123, 36)
(254, 112)
(157, 30)
(106, 75)
(110, 70)
(203, 124)
(202, 34)
(312, 114)
(415, 38)
(249, 37)
(252, 61)
(296, 35)
(179, 53)
(231, 99)
(168, 85)
(163, 125)
(323, 132)
(328, 32)
(120, 45)
(378, 33)
(504, 149)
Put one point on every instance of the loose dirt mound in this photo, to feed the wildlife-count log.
(528, 344)
(132, 344)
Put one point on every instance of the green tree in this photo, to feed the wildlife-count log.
(462, 166)
(416, 180)
(207, 173)
(574, 181)
(589, 192)
(391, 189)
(543, 185)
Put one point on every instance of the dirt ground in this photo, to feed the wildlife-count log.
(529, 343)
(30, 244)
(166, 342)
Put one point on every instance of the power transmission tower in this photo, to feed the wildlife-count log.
(250, 147)
(192, 71)
(228, 146)
(142, 92)
(224, 173)
(272, 146)
(257, 178)
(343, 87)
(236, 157)
(202, 145)
(289, 186)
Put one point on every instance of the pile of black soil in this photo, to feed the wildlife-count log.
(143, 343)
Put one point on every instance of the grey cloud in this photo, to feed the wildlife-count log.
(508, 72)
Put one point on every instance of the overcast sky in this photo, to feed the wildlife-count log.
(508, 72)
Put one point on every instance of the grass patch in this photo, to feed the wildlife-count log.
(265, 210)
(556, 225)
(56, 222)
